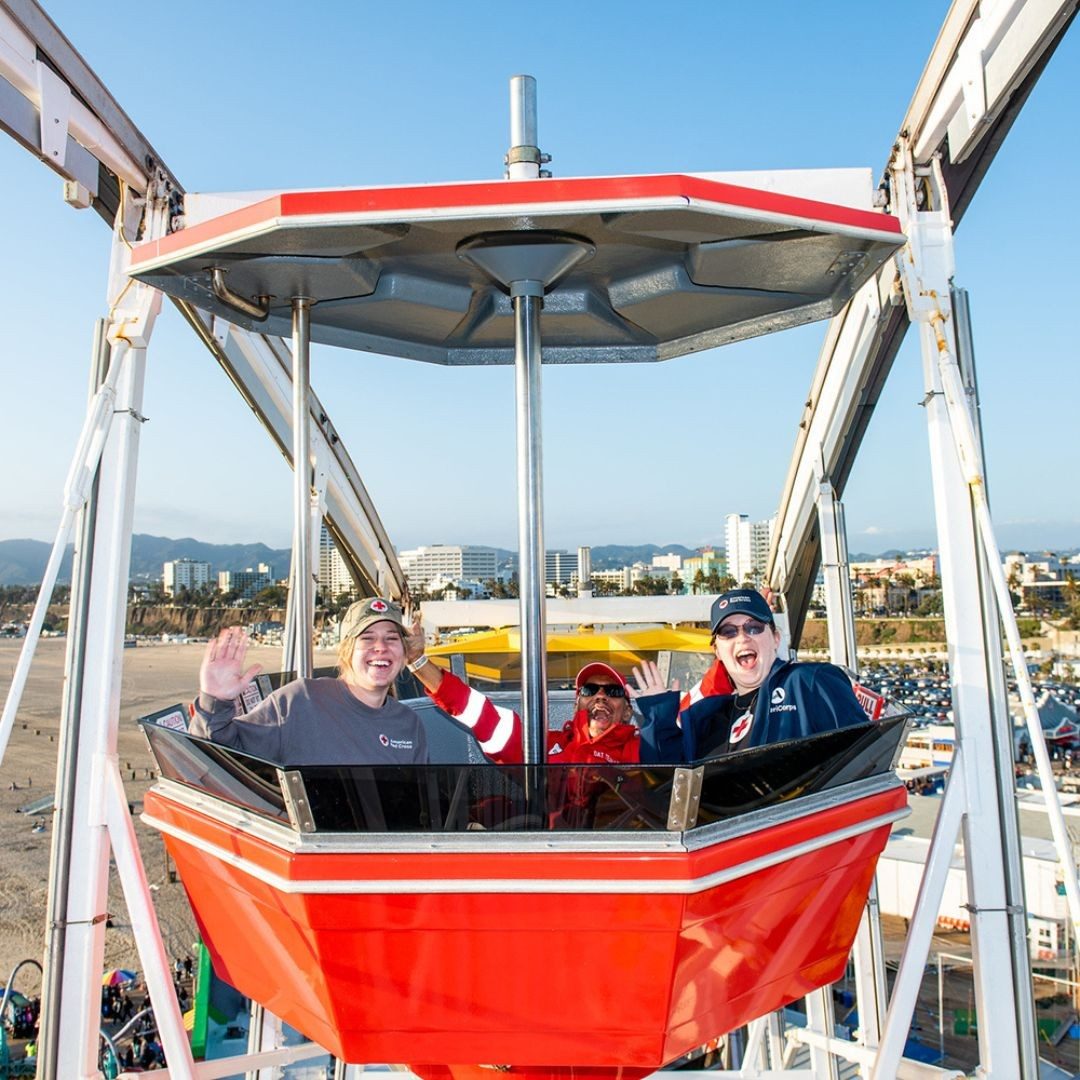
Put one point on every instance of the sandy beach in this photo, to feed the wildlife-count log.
(154, 676)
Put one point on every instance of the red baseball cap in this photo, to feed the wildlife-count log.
(597, 668)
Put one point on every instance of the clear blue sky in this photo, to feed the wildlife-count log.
(244, 96)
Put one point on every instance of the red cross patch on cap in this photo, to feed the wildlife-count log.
(379, 605)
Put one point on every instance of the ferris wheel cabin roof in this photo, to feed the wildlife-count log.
(668, 264)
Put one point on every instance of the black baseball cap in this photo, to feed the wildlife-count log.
(740, 602)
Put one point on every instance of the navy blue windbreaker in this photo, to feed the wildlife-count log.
(795, 700)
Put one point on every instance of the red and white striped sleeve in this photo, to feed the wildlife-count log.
(496, 729)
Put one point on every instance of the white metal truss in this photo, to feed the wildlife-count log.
(986, 59)
(46, 88)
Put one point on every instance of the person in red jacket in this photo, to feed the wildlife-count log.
(599, 733)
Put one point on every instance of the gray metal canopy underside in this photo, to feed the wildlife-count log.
(679, 264)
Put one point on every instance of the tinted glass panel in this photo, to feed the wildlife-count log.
(766, 775)
(463, 798)
(241, 780)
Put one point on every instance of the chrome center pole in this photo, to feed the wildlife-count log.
(303, 606)
(527, 300)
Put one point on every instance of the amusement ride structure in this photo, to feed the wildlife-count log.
(394, 900)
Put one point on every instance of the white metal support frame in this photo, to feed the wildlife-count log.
(1003, 991)
(868, 954)
(98, 816)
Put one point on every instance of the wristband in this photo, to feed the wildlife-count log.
(416, 665)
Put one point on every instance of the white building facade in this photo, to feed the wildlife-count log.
(185, 574)
(747, 544)
(450, 562)
(334, 576)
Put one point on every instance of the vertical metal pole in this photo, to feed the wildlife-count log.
(941, 1006)
(70, 711)
(303, 594)
(912, 968)
(83, 960)
(868, 948)
(527, 300)
(1001, 721)
(820, 1018)
(1003, 989)
(989, 847)
(834, 565)
(523, 160)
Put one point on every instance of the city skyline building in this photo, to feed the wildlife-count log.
(747, 547)
(451, 562)
(560, 567)
(334, 577)
(190, 574)
(246, 583)
(584, 577)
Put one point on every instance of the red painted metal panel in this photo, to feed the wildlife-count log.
(496, 977)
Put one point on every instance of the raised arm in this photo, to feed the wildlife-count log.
(497, 730)
(222, 679)
(222, 675)
(661, 735)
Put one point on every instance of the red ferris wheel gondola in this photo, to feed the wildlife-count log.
(404, 918)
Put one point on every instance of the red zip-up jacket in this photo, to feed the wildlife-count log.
(498, 730)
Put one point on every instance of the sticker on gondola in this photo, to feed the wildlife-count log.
(384, 741)
(741, 727)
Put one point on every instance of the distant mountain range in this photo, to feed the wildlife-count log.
(22, 562)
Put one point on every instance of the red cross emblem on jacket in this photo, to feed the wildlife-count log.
(741, 727)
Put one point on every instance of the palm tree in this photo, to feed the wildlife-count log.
(699, 581)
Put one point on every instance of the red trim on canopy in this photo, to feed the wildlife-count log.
(507, 194)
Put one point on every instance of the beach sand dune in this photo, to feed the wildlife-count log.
(154, 676)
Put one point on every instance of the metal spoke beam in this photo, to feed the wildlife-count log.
(94, 144)
(977, 79)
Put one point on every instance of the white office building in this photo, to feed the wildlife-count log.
(185, 574)
(560, 567)
(450, 562)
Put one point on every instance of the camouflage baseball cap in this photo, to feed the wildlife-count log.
(365, 613)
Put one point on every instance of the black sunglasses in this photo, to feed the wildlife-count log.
(751, 627)
(590, 689)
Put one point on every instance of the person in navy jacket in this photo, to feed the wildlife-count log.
(774, 700)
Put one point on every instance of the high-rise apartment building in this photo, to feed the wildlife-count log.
(334, 576)
(584, 569)
(185, 574)
(246, 583)
(448, 561)
(747, 545)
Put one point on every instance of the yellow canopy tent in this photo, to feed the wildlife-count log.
(495, 656)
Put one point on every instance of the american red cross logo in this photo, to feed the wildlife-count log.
(379, 605)
(741, 727)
